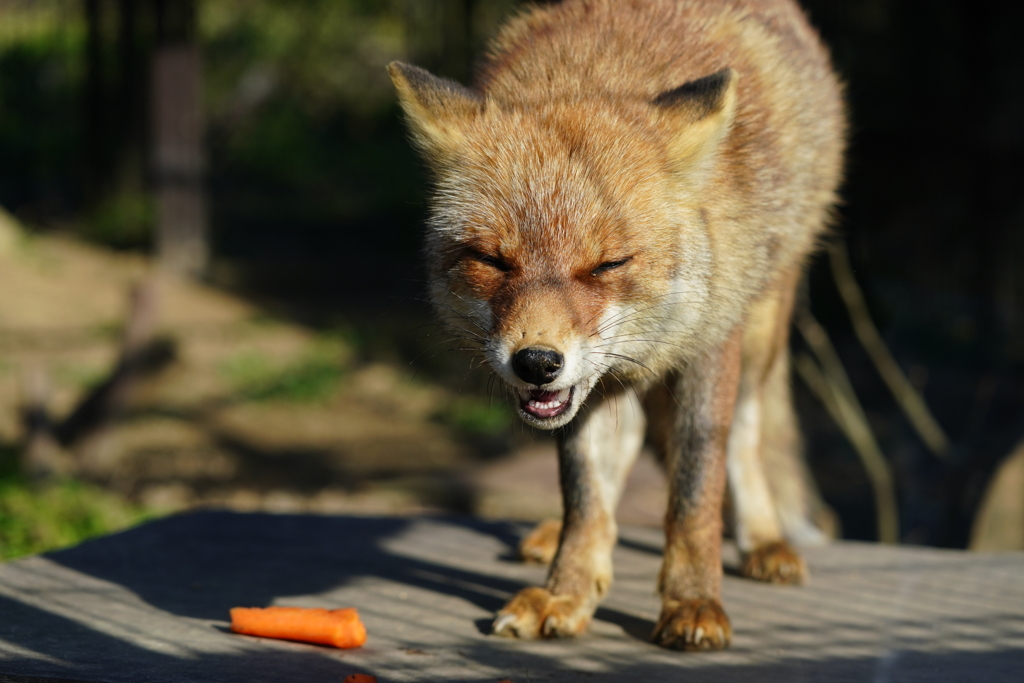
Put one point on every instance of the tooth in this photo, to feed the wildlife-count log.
(563, 395)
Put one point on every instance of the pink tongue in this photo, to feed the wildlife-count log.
(543, 396)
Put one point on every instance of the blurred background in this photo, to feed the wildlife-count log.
(254, 148)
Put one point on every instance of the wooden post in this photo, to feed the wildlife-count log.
(177, 133)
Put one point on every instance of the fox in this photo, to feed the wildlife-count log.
(623, 204)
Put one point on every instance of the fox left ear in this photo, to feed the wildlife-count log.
(437, 108)
(701, 113)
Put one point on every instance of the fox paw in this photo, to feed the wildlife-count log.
(775, 562)
(692, 625)
(536, 613)
(541, 544)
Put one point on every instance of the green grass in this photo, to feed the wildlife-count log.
(476, 416)
(312, 378)
(79, 376)
(39, 518)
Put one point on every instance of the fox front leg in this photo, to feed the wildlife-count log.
(690, 418)
(595, 454)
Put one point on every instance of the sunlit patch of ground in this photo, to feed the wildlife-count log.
(254, 413)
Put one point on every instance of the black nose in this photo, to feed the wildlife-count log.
(537, 365)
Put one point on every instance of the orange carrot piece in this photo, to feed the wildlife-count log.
(360, 678)
(338, 627)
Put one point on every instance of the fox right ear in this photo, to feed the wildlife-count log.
(437, 108)
(701, 113)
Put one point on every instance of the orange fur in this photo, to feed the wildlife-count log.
(623, 204)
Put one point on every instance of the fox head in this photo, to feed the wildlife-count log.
(566, 237)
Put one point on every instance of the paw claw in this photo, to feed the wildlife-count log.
(501, 623)
(536, 613)
(693, 625)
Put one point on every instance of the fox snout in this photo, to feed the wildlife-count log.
(537, 364)
(542, 365)
(546, 378)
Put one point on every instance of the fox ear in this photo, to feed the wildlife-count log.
(700, 113)
(437, 108)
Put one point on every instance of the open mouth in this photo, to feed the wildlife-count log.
(545, 404)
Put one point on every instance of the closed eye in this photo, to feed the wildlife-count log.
(609, 265)
(493, 262)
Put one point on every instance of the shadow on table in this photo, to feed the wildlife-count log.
(62, 650)
(116, 661)
(202, 564)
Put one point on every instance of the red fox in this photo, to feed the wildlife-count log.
(623, 204)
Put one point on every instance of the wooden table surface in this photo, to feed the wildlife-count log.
(151, 604)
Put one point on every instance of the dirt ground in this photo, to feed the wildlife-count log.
(255, 412)
(258, 412)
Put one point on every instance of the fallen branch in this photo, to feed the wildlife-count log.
(909, 399)
(82, 430)
(831, 385)
(42, 456)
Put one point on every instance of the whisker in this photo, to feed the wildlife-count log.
(438, 343)
(630, 314)
(447, 350)
(634, 320)
(610, 371)
(647, 341)
(627, 358)
(462, 330)
(457, 313)
(453, 335)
